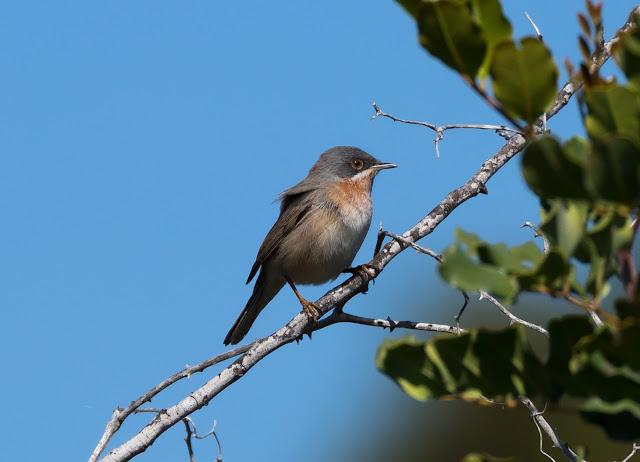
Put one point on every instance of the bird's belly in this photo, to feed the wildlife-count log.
(330, 242)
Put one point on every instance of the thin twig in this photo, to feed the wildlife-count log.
(513, 318)
(464, 307)
(211, 432)
(340, 316)
(544, 425)
(413, 245)
(440, 129)
(120, 414)
(187, 439)
(540, 433)
(635, 448)
(545, 242)
(534, 26)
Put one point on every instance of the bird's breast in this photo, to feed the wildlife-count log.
(352, 201)
(326, 242)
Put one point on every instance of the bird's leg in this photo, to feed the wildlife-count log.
(309, 307)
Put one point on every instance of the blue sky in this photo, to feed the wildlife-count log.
(142, 146)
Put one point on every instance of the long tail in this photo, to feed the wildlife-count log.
(263, 292)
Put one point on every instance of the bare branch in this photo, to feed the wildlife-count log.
(120, 414)
(340, 316)
(440, 129)
(413, 245)
(635, 448)
(511, 316)
(189, 420)
(187, 439)
(544, 425)
(545, 242)
(534, 26)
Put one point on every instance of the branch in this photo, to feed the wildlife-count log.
(340, 316)
(633, 452)
(541, 423)
(338, 296)
(440, 129)
(511, 316)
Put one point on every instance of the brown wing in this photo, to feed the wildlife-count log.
(294, 209)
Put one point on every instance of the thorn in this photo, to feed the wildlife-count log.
(391, 324)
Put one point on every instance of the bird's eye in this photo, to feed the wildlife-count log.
(357, 164)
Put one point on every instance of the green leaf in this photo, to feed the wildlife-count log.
(449, 32)
(475, 364)
(524, 79)
(496, 27)
(621, 420)
(463, 272)
(613, 174)
(565, 224)
(411, 6)
(472, 264)
(629, 54)
(550, 171)
(613, 110)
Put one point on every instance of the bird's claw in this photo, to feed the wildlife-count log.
(366, 271)
(311, 309)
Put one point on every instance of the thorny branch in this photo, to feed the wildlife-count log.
(338, 296)
(513, 318)
(635, 448)
(502, 130)
(541, 423)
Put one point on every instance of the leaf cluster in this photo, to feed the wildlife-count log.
(589, 189)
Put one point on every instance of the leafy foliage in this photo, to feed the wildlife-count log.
(589, 190)
(473, 37)
(524, 79)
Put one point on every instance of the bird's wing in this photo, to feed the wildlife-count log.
(295, 208)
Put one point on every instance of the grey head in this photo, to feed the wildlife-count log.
(343, 162)
(338, 163)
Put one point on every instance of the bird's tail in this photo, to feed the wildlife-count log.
(263, 292)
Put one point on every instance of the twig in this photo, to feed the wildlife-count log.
(511, 316)
(187, 439)
(633, 451)
(120, 414)
(544, 425)
(534, 26)
(413, 245)
(189, 420)
(340, 316)
(464, 307)
(545, 242)
(540, 433)
(440, 129)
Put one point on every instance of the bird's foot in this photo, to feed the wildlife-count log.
(366, 271)
(310, 308)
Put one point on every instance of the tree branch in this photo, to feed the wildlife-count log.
(512, 317)
(440, 129)
(541, 423)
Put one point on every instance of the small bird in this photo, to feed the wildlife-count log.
(322, 224)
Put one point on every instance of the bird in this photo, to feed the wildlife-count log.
(322, 223)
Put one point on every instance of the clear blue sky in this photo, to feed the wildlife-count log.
(142, 144)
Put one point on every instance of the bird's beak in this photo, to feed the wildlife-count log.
(382, 166)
